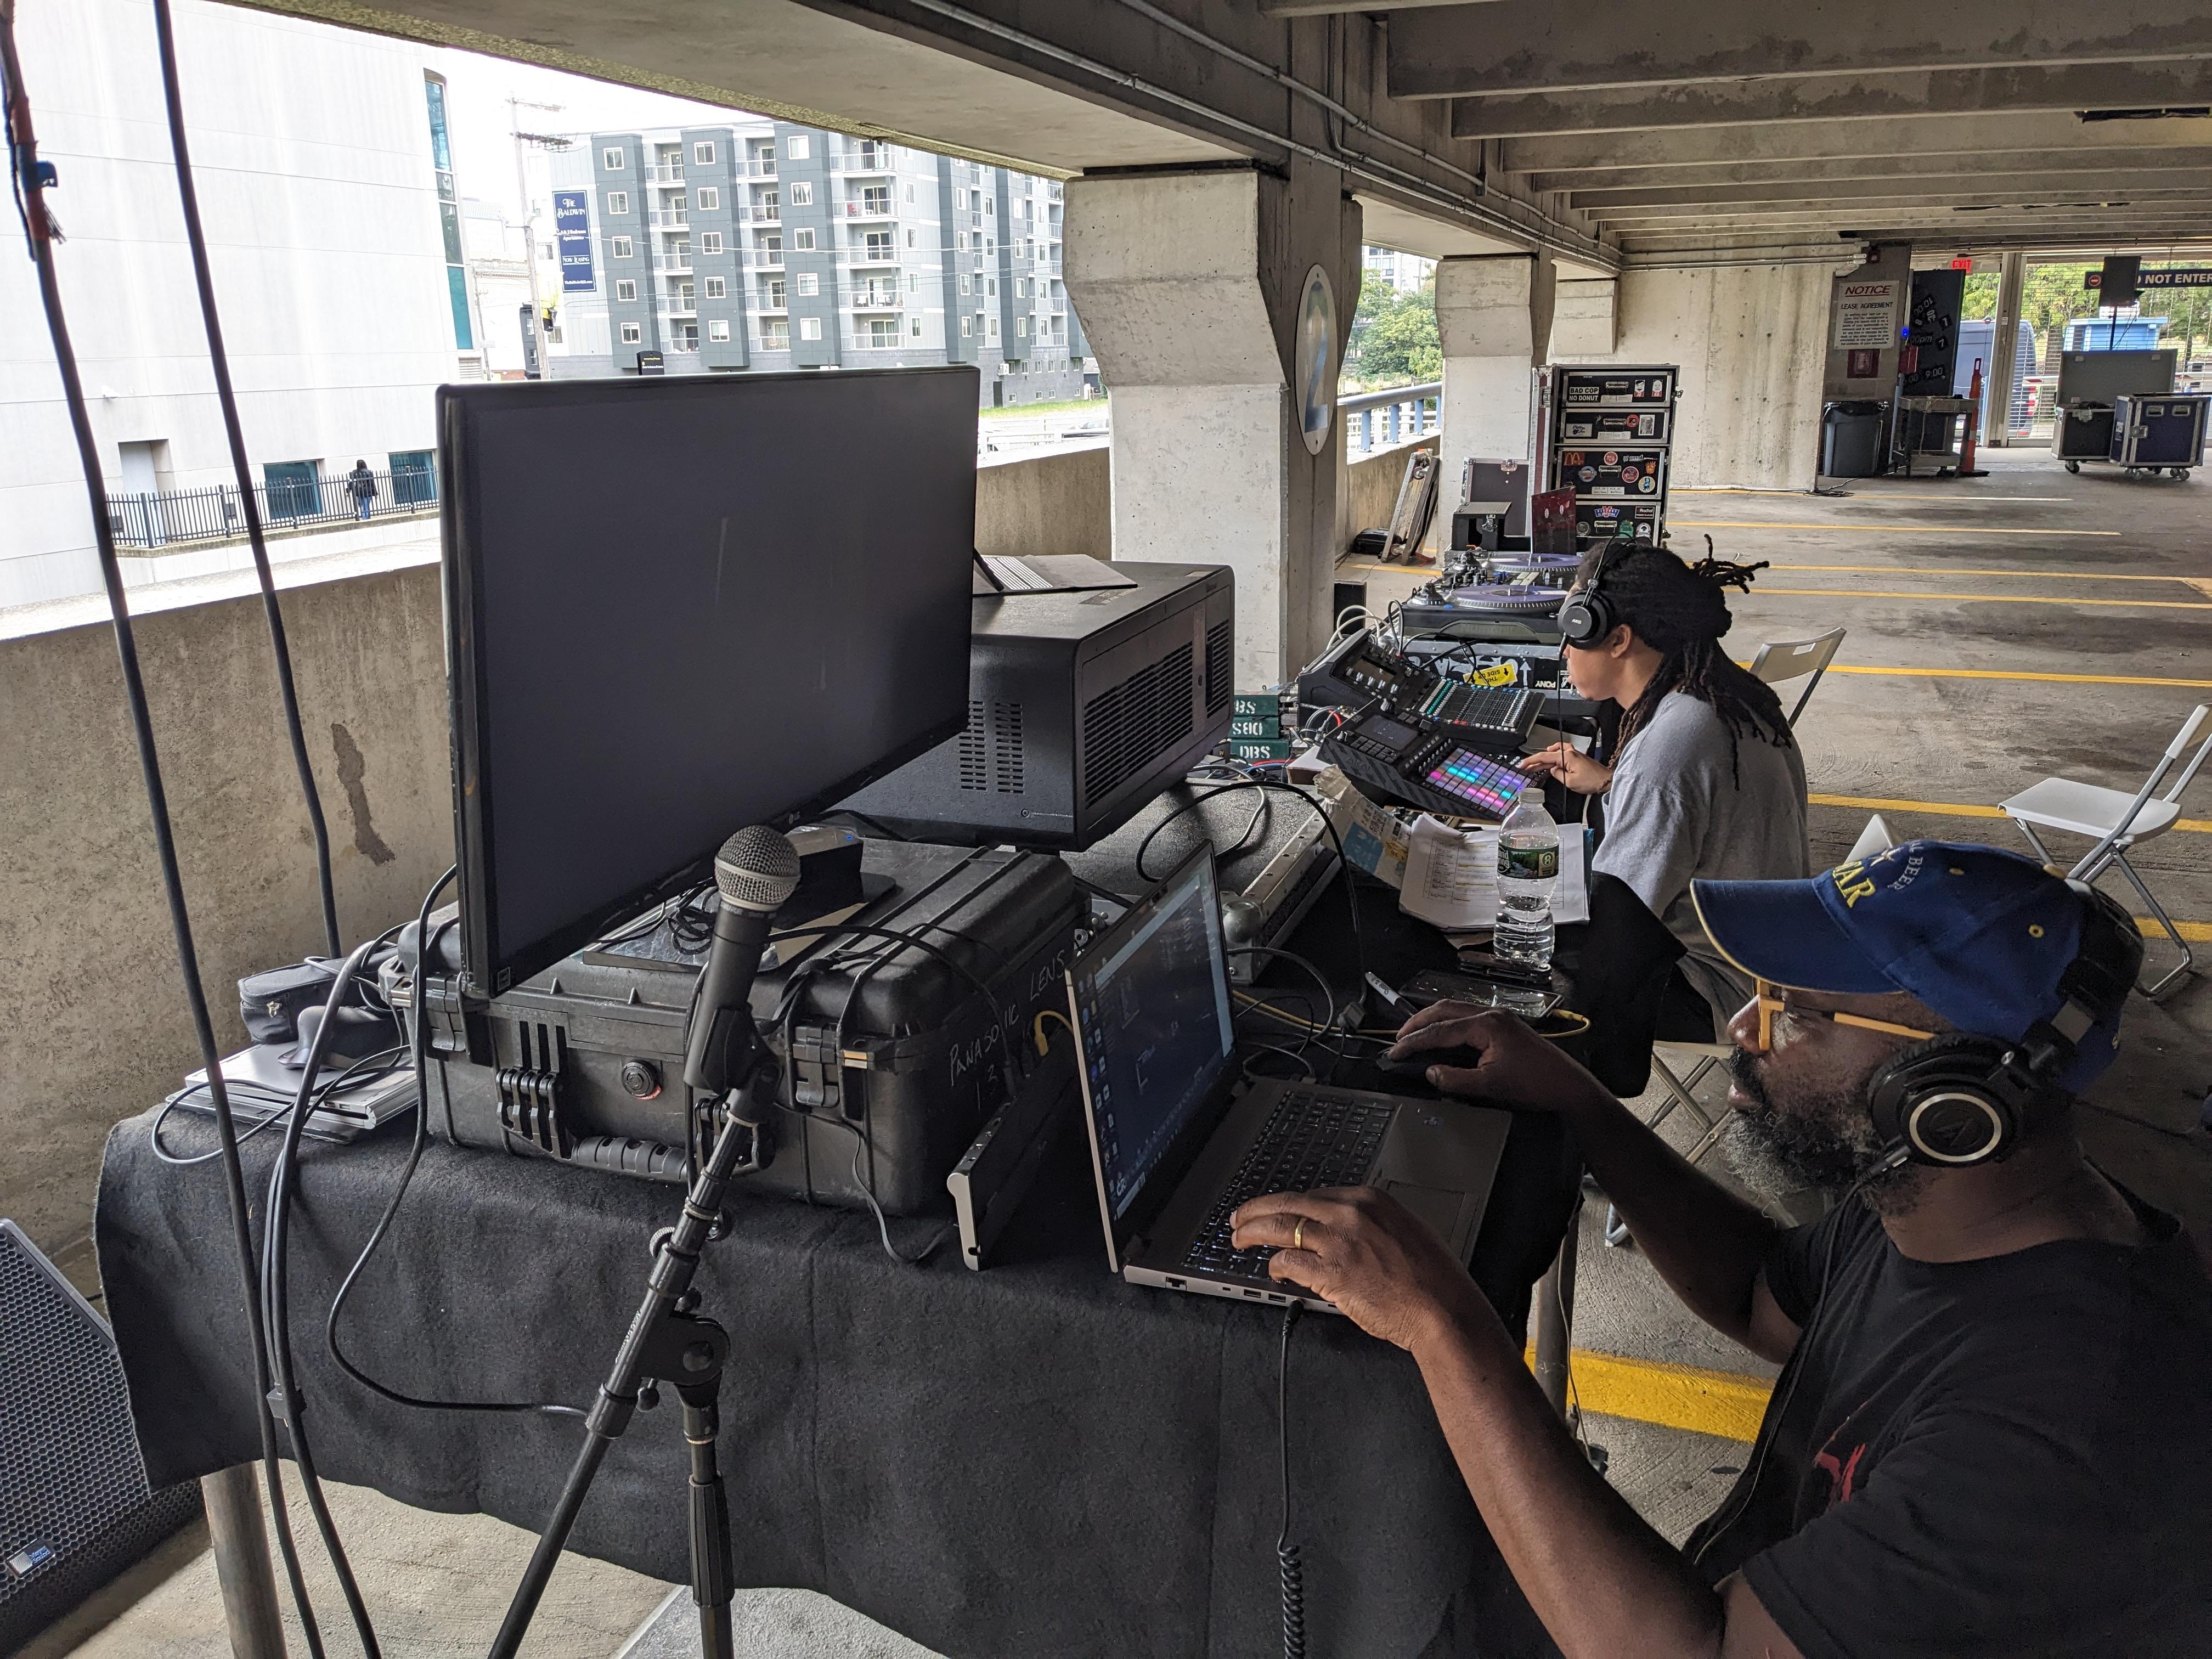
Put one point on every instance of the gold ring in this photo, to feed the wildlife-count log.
(1298, 1235)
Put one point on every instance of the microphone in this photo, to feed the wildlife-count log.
(757, 870)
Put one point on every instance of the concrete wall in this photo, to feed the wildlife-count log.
(97, 1029)
(1369, 493)
(312, 147)
(1750, 340)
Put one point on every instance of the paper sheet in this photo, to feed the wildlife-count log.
(1451, 876)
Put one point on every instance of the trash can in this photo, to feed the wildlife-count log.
(1851, 440)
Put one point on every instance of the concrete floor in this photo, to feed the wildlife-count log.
(2031, 575)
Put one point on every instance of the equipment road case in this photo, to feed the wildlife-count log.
(2154, 434)
(584, 1062)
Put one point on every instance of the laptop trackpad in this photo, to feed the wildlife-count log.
(1441, 1209)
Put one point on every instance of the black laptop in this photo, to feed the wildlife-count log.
(1178, 1140)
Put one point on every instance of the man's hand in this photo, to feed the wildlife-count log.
(1517, 1068)
(1366, 1252)
(1570, 766)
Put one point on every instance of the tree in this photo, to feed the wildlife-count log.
(1394, 337)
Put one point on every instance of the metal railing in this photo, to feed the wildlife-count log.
(869, 207)
(160, 518)
(875, 296)
(757, 167)
(1394, 416)
(667, 173)
(765, 213)
(878, 342)
(672, 218)
(880, 254)
(866, 158)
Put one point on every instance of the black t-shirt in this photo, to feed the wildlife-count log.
(2010, 1456)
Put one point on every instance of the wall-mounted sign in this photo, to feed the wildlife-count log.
(1866, 316)
(649, 362)
(2174, 276)
(572, 237)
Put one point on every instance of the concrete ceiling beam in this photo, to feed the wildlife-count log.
(1973, 189)
(1852, 213)
(1463, 50)
(1626, 182)
(1847, 98)
(1325, 8)
(1924, 137)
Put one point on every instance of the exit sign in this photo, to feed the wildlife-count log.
(1962, 264)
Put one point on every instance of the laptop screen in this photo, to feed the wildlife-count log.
(1152, 1000)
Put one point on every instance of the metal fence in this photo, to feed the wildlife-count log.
(158, 519)
(1376, 419)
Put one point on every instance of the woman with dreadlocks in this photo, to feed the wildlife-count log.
(1704, 780)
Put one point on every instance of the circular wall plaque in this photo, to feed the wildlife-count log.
(1314, 349)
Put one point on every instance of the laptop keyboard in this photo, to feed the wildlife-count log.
(1313, 1139)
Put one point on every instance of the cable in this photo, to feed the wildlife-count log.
(426, 948)
(38, 225)
(1287, 1551)
(1037, 1029)
(279, 1105)
(277, 1312)
(219, 360)
(867, 1193)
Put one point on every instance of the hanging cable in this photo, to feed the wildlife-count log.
(219, 360)
(31, 182)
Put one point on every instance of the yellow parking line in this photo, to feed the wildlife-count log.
(1872, 528)
(1720, 1403)
(2014, 674)
(1956, 809)
(2202, 586)
(2194, 932)
(1986, 599)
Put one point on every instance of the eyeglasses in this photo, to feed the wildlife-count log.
(1770, 1004)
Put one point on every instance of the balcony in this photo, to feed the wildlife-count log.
(668, 172)
(875, 342)
(876, 254)
(671, 219)
(765, 213)
(875, 296)
(763, 259)
(866, 158)
(758, 167)
(870, 207)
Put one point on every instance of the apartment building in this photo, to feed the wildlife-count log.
(766, 246)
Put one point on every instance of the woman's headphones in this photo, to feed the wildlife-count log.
(1589, 614)
(1958, 1100)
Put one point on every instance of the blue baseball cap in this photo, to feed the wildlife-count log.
(1981, 935)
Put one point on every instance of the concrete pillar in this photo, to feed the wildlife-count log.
(1494, 321)
(1188, 285)
(2004, 348)
(1586, 320)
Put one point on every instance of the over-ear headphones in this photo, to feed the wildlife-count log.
(1589, 614)
(1960, 1100)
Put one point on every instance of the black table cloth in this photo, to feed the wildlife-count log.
(1034, 1460)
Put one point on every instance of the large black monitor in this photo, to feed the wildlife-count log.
(674, 607)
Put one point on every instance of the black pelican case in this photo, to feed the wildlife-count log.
(584, 1062)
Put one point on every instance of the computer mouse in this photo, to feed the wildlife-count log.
(1417, 1065)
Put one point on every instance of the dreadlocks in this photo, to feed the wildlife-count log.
(1678, 609)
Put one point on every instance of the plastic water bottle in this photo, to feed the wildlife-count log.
(1527, 871)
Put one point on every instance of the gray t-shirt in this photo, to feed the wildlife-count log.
(1675, 810)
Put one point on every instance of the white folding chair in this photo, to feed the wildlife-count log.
(1779, 661)
(2117, 823)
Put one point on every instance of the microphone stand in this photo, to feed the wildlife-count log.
(669, 1343)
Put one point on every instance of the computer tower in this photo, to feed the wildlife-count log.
(1081, 708)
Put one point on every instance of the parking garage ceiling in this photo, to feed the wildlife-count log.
(1723, 128)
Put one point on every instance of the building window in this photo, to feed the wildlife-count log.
(990, 244)
(990, 206)
(991, 329)
(718, 329)
(802, 241)
(717, 288)
(618, 200)
(882, 332)
(967, 283)
(965, 326)
(1017, 288)
(776, 334)
(678, 204)
(710, 241)
(917, 328)
(771, 250)
(703, 153)
(631, 334)
(809, 284)
(810, 328)
(960, 241)
(795, 147)
(710, 199)
(772, 295)
(626, 288)
(802, 194)
(910, 195)
(611, 158)
(909, 238)
(624, 247)
(991, 288)
(1021, 328)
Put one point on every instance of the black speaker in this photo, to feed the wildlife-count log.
(2117, 285)
(75, 1508)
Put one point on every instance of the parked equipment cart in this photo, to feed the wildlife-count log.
(2152, 435)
